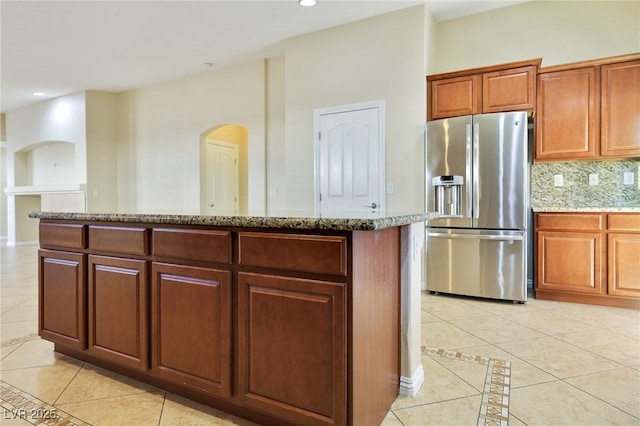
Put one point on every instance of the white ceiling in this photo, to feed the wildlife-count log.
(61, 47)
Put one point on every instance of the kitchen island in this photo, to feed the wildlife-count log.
(300, 321)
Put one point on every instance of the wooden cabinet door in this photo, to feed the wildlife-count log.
(509, 90)
(567, 124)
(620, 114)
(191, 327)
(118, 311)
(453, 97)
(62, 302)
(570, 262)
(623, 252)
(292, 348)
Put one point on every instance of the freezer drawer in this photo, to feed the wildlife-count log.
(489, 264)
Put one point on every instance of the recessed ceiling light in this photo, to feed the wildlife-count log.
(307, 2)
(38, 94)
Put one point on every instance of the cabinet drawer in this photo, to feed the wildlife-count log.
(63, 235)
(207, 246)
(570, 222)
(115, 239)
(624, 222)
(308, 253)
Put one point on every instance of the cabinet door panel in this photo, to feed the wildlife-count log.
(62, 292)
(292, 352)
(509, 90)
(569, 261)
(567, 124)
(624, 264)
(621, 109)
(191, 326)
(118, 310)
(453, 97)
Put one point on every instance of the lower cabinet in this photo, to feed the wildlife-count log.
(62, 297)
(191, 327)
(570, 261)
(118, 310)
(292, 348)
(589, 258)
(279, 327)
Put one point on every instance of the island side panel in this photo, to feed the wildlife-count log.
(374, 363)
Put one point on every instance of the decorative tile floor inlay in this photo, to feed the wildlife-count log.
(494, 409)
(21, 405)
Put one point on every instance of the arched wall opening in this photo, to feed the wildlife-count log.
(216, 175)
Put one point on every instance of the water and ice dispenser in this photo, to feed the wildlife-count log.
(448, 195)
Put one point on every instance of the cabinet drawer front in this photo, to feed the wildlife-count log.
(570, 221)
(207, 246)
(115, 239)
(308, 253)
(63, 235)
(624, 222)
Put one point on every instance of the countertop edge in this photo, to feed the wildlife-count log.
(336, 224)
(586, 209)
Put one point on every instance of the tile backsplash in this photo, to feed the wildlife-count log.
(576, 191)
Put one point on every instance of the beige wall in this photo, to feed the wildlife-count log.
(558, 31)
(372, 59)
(160, 132)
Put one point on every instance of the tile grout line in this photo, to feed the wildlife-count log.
(494, 407)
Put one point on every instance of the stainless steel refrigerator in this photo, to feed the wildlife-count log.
(477, 178)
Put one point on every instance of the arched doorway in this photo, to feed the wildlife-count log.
(223, 170)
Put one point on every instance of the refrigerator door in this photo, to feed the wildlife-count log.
(448, 150)
(501, 171)
(477, 263)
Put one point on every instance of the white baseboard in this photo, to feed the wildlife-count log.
(409, 386)
(423, 286)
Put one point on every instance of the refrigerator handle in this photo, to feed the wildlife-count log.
(468, 177)
(476, 237)
(476, 172)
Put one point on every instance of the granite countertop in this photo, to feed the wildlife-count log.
(553, 209)
(337, 224)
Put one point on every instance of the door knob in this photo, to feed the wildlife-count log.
(211, 205)
(372, 206)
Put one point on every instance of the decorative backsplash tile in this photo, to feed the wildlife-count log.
(576, 191)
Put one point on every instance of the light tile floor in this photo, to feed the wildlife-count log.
(486, 362)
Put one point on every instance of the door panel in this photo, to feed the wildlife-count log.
(485, 264)
(448, 152)
(349, 167)
(500, 170)
(222, 178)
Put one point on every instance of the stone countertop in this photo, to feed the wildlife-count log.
(586, 209)
(336, 224)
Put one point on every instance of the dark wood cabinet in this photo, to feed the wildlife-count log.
(280, 326)
(620, 113)
(62, 297)
(589, 258)
(118, 310)
(191, 327)
(497, 88)
(292, 354)
(567, 125)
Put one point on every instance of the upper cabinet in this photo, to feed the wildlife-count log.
(589, 110)
(620, 109)
(506, 87)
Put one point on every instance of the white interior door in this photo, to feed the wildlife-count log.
(350, 163)
(222, 178)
